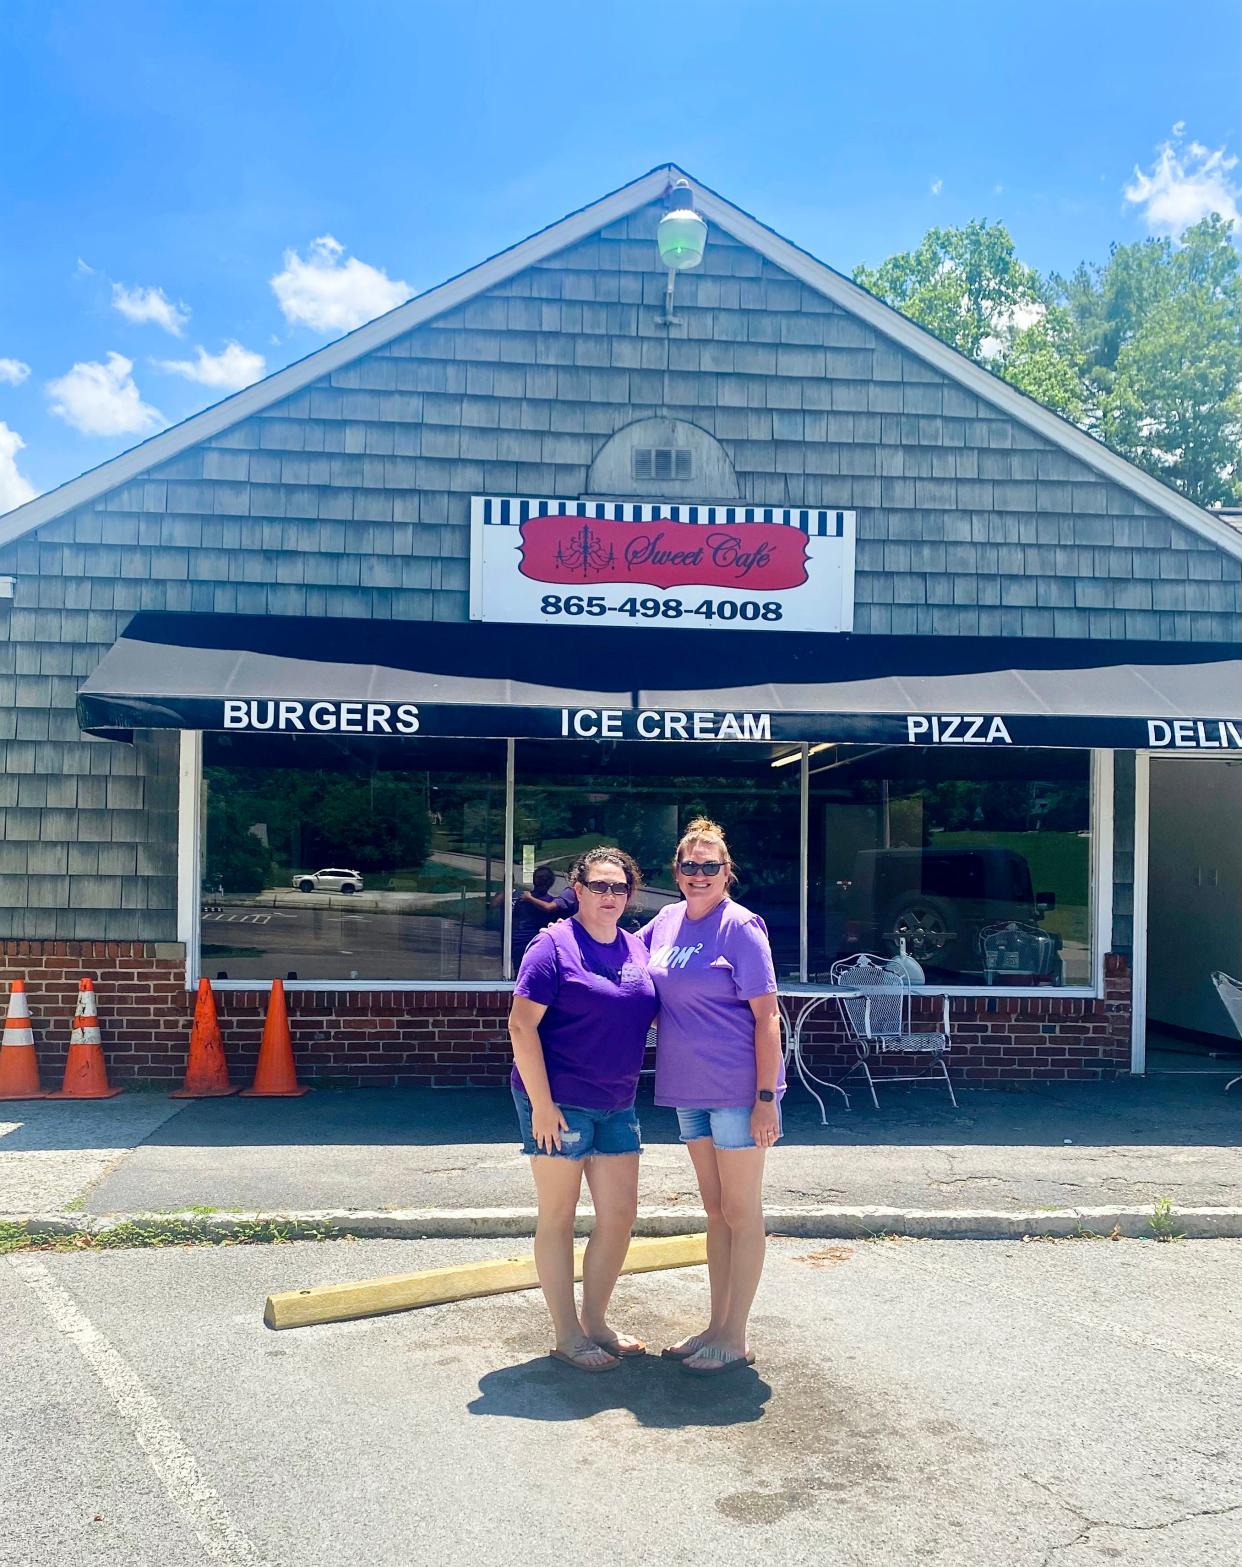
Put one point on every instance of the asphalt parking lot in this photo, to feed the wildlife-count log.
(967, 1404)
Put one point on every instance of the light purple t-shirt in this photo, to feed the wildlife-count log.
(706, 973)
(600, 1003)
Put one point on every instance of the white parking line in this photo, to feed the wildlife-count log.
(171, 1459)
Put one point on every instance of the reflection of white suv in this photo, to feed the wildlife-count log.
(329, 881)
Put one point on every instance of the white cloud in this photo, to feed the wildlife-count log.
(937, 185)
(15, 488)
(332, 294)
(1007, 323)
(142, 305)
(229, 370)
(1185, 183)
(103, 399)
(14, 371)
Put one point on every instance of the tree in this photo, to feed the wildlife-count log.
(236, 857)
(1144, 352)
(968, 286)
(1160, 334)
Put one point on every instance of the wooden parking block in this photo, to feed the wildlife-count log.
(438, 1286)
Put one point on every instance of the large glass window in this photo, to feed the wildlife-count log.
(341, 859)
(640, 795)
(976, 863)
(349, 859)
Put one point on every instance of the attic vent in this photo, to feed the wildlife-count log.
(662, 462)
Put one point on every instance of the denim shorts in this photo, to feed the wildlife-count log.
(591, 1133)
(728, 1127)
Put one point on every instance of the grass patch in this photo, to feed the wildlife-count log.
(1060, 862)
(155, 1232)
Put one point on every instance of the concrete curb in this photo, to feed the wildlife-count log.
(821, 1223)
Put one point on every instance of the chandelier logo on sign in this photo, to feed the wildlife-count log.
(761, 556)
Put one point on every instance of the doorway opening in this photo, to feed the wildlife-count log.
(1194, 914)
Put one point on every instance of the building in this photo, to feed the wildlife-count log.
(312, 684)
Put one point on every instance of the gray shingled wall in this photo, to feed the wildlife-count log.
(352, 498)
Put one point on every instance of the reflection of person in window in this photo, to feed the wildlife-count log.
(537, 907)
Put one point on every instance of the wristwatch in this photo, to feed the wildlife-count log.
(766, 1096)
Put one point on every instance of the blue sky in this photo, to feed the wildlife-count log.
(162, 164)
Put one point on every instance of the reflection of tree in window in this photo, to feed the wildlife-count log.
(373, 823)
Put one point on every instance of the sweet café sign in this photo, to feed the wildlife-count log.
(538, 561)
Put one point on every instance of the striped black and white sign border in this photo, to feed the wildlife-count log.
(511, 511)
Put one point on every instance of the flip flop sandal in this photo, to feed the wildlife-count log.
(723, 1363)
(623, 1353)
(575, 1360)
(681, 1352)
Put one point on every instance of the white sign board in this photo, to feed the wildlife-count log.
(627, 563)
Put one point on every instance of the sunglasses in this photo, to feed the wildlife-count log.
(701, 867)
(605, 889)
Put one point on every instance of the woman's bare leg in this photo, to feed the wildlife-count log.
(741, 1203)
(557, 1184)
(613, 1180)
(719, 1241)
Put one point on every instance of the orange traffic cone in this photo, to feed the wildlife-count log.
(86, 1076)
(206, 1071)
(19, 1067)
(274, 1077)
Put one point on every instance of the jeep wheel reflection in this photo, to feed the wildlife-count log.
(925, 923)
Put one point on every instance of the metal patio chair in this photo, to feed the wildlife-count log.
(1230, 992)
(879, 1022)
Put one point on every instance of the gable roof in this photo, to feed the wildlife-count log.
(560, 236)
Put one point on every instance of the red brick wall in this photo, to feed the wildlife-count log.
(380, 1038)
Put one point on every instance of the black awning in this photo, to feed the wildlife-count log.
(270, 674)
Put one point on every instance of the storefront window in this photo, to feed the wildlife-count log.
(977, 864)
(640, 796)
(347, 859)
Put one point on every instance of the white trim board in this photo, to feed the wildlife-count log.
(1103, 871)
(1138, 939)
(559, 236)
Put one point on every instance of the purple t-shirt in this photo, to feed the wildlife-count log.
(600, 1002)
(706, 972)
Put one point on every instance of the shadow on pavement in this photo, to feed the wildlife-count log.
(1155, 1111)
(656, 1392)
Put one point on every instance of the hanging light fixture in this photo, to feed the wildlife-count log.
(681, 239)
(682, 234)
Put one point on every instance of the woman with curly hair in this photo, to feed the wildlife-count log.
(582, 1004)
(718, 1062)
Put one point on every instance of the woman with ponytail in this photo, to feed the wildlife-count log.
(718, 1062)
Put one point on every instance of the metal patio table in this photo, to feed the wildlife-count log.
(798, 1004)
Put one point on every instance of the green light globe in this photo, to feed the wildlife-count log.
(682, 233)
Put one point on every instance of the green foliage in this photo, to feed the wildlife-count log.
(1161, 333)
(236, 858)
(372, 822)
(1162, 1223)
(1144, 352)
(964, 284)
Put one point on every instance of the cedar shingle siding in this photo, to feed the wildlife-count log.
(351, 498)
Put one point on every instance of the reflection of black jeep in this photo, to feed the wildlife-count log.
(939, 900)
